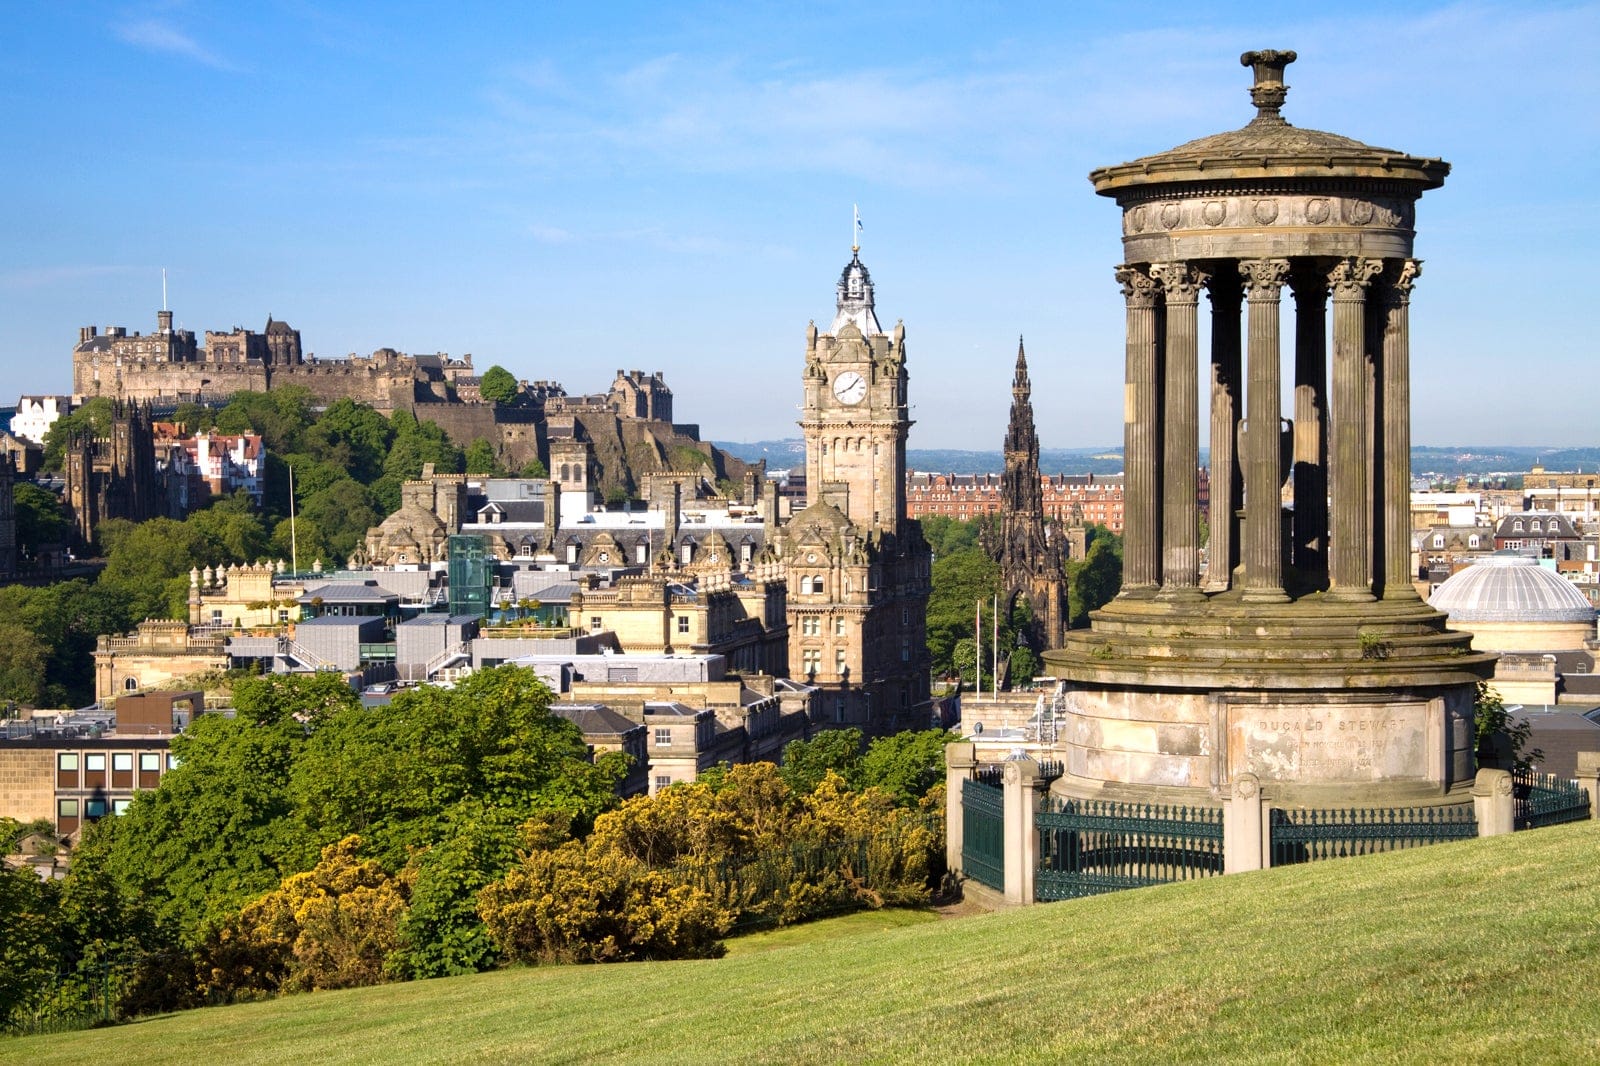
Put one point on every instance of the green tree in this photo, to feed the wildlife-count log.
(1093, 580)
(281, 416)
(28, 950)
(1502, 738)
(481, 459)
(806, 762)
(533, 468)
(23, 658)
(93, 419)
(906, 765)
(150, 562)
(498, 385)
(41, 518)
(352, 437)
(960, 581)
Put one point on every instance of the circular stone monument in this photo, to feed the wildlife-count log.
(1301, 652)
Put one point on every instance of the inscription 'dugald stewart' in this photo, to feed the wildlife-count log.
(1349, 743)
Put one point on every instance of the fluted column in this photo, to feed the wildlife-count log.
(1396, 303)
(1180, 516)
(1350, 575)
(1262, 581)
(1140, 544)
(1222, 553)
(1310, 286)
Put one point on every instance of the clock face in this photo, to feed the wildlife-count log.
(850, 387)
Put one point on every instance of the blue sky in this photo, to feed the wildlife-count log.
(566, 189)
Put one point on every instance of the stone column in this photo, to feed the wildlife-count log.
(1021, 801)
(1243, 847)
(1141, 530)
(1494, 803)
(1180, 517)
(1311, 423)
(959, 762)
(1222, 553)
(1350, 576)
(1263, 471)
(1396, 431)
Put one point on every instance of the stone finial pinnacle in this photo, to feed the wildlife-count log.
(1269, 91)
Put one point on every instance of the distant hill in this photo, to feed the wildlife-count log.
(1425, 460)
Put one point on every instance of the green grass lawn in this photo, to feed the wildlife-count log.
(1483, 951)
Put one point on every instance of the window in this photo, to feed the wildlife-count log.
(67, 760)
(1516, 527)
(150, 761)
(663, 781)
(905, 649)
(683, 623)
(122, 761)
(95, 762)
(605, 557)
(130, 684)
(810, 627)
(120, 806)
(67, 808)
(841, 661)
(838, 627)
(1438, 540)
(687, 552)
(596, 623)
(572, 551)
(811, 659)
(663, 737)
(1472, 541)
(641, 553)
(95, 808)
(1536, 528)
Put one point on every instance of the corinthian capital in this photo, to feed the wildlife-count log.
(1180, 281)
(1138, 287)
(1397, 293)
(1263, 278)
(1350, 277)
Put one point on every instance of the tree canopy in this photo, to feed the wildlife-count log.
(498, 384)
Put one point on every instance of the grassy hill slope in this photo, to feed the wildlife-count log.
(1481, 951)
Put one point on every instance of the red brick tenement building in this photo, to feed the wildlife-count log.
(966, 496)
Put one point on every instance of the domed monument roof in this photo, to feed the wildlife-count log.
(1507, 587)
(1268, 147)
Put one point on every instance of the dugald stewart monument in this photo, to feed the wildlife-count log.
(1299, 658)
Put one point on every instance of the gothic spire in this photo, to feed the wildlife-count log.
(1021, 388)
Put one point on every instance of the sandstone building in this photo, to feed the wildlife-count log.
(858, 568)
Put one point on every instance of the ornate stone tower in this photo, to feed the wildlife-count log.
(858, 569)
(1302, 654)
(1030, 560)
(855, 416)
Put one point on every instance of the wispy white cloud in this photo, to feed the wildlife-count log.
(153, 35)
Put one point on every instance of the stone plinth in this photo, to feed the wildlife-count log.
(1324, 702)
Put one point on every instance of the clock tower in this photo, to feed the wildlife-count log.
(855, 416)
(858, 568)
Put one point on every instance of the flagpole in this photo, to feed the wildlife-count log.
(995, 621)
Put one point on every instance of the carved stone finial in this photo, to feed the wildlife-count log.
(1269, 91)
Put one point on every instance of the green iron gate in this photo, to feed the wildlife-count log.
(983, 842)
(1087, 847)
